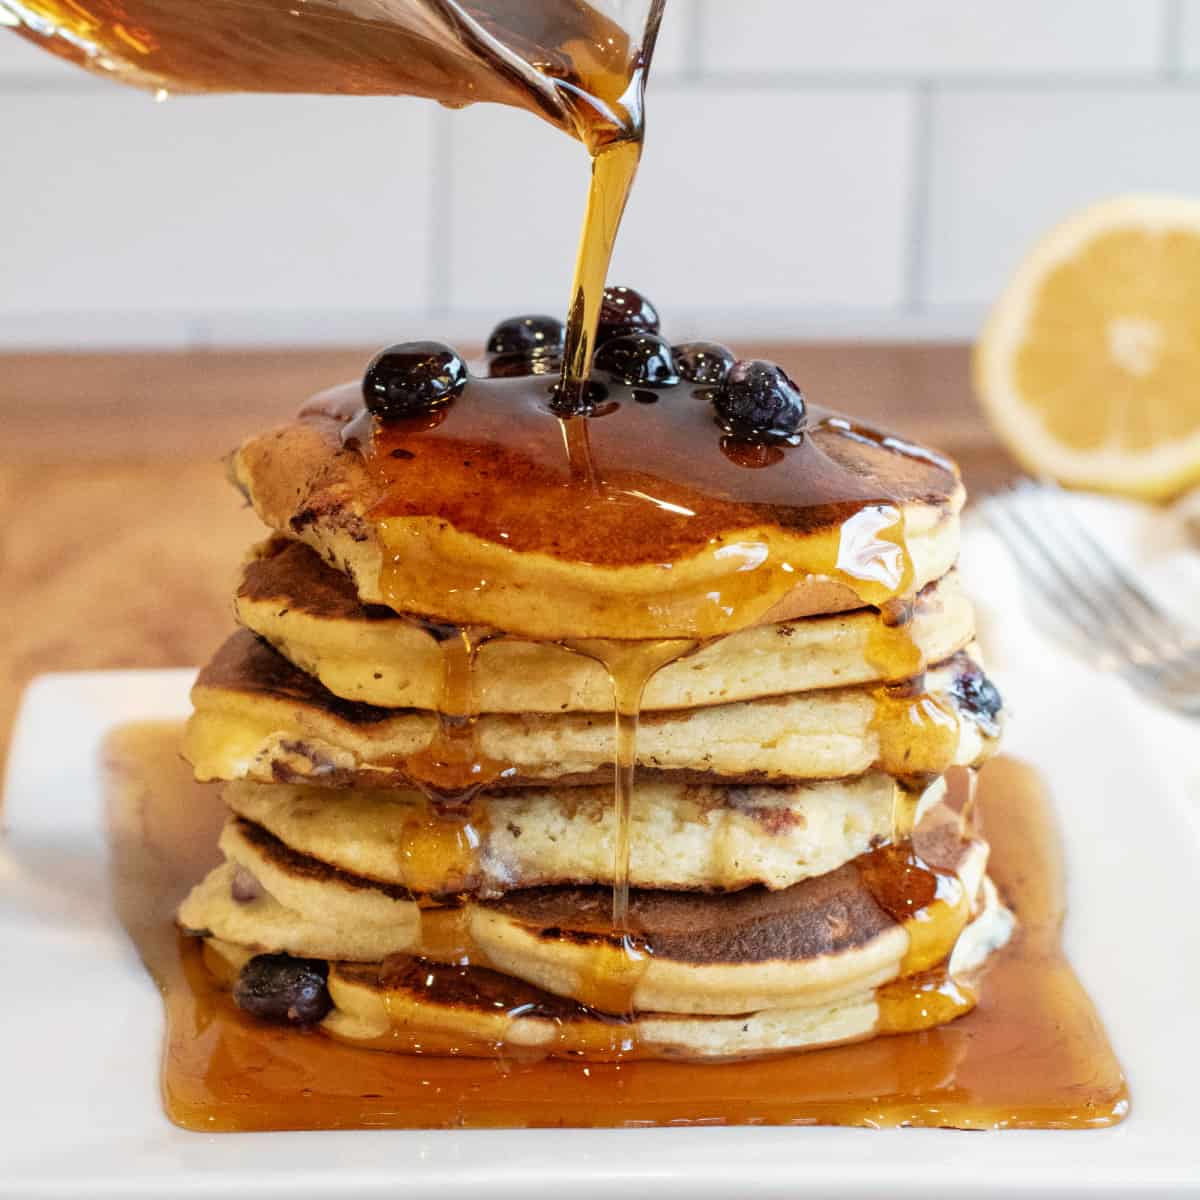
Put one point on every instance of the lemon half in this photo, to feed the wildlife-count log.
(1089, 365)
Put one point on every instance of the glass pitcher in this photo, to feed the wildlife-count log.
(578, 65)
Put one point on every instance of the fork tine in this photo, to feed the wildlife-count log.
(1041, 525)
(1107, 575)
(1070, 600)
(1085, 590)
(1153, 640)
(1041, 572)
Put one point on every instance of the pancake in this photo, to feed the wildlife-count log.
(367, 653)
(403, 1008)
(683, 837)
(467, 516)
(313, 888)
(258, 717)
(816, 942)
(263, 925)
(411, 1006)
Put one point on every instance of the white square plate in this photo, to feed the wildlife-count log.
(81, 1028)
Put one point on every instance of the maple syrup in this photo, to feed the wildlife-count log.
(450, 768)
(1031, 1054)
(613, 169)
(470, 499)
(630, 666)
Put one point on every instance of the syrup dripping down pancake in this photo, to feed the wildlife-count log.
(685, 837)
(815, 941)
(412, 1006)
(259, 717)
(467, 515)
(312, 615)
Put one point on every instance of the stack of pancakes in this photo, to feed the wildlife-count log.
(777, 901)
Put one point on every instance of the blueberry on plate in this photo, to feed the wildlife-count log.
(638, 359)
(703, 362)
(624, 311)
(412, 378)
(283, 989)
(759, 401)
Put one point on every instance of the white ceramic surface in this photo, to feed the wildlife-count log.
(81, 1024)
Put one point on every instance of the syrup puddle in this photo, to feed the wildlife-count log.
(1033, 1054)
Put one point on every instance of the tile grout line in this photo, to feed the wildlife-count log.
(1171, 48)
(984, 81)
(693, 42)
(920, 166)
(441, 222)
(198, 335)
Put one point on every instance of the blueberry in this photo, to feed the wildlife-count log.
(638, 359)
(758, 401)
(624, 311)
(526, 335)
(282, 989)
(244, 888)
(978, 696)
(703, 362)
(412, 378)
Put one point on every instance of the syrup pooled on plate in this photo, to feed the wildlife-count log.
(1032, 1054)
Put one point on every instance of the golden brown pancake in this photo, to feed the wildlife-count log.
(258, 717)
(683, 837)
(410, 1005)
(476, 517)
(815, 942)
(263, 925)
(312, 615)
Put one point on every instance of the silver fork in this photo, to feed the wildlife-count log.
(1095, 600)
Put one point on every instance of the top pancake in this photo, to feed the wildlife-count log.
(667, 528)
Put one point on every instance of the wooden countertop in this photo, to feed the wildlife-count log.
(119, 535)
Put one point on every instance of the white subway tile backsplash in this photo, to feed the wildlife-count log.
(514, 200)
(784, 204)
(1187, 51)
(1008, 37)
(1007, 166)
(841, 167)
(736, 205)
(214, 204)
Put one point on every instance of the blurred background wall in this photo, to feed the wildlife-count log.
(815, 168)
